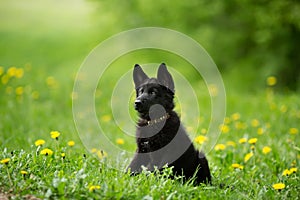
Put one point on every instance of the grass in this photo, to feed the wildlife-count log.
(33, 106)
(36, 100)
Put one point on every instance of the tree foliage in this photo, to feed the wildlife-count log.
(259, 35)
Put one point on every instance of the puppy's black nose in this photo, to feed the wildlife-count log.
(137, 103)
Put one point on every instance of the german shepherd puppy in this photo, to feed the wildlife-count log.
(160, 137)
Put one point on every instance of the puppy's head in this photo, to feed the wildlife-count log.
(153, 92)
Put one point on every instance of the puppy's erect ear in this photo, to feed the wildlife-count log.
(139, 76)
(165, 78)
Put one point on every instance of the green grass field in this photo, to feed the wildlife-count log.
(34, 105)
(257, 155)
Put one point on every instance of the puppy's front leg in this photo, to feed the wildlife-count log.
(139, 160)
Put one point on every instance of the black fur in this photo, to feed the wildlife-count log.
(163, 142)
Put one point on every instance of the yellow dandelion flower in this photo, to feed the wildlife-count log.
(39, 142)
(242, 140)
(252, 147)
(220, 147)
(63, 155)
(224, 128)
(106, 118)
(227, 120)
(101, 154)
(47, 152)
(293, 170)
(260, 131)
(19, 90)
(71, 143)
(1, 70)
(293, 131)
(278, 186)
(51, 81)
(213, 90)
(240, 125)
(24, 172)
(255, 123)
(237, 166)
(94, 150)
(266, 150)
(19, 73)
(54, 134)
(11, 71)
(248, 156)
(271, 81)
(252, 141)
(5, 161)
(203, 131)
(286, 172)
(4, 79)
(235, 116)
(230, 143)
(200, 139)
(120, 141)
(94, 187)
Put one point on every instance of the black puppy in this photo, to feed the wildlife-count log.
(160, 136)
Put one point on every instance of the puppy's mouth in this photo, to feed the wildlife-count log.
(150, 111)
(141, 106)
(141, 109)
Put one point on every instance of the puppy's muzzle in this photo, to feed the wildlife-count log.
(138, 104)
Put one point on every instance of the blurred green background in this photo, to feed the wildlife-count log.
(248, 40)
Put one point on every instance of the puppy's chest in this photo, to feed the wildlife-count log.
(155, 142)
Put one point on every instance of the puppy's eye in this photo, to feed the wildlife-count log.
(141, 91)
(153, 92)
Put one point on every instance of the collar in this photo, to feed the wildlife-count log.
(157, 120)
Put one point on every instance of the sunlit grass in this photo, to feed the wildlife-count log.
(256, 156)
